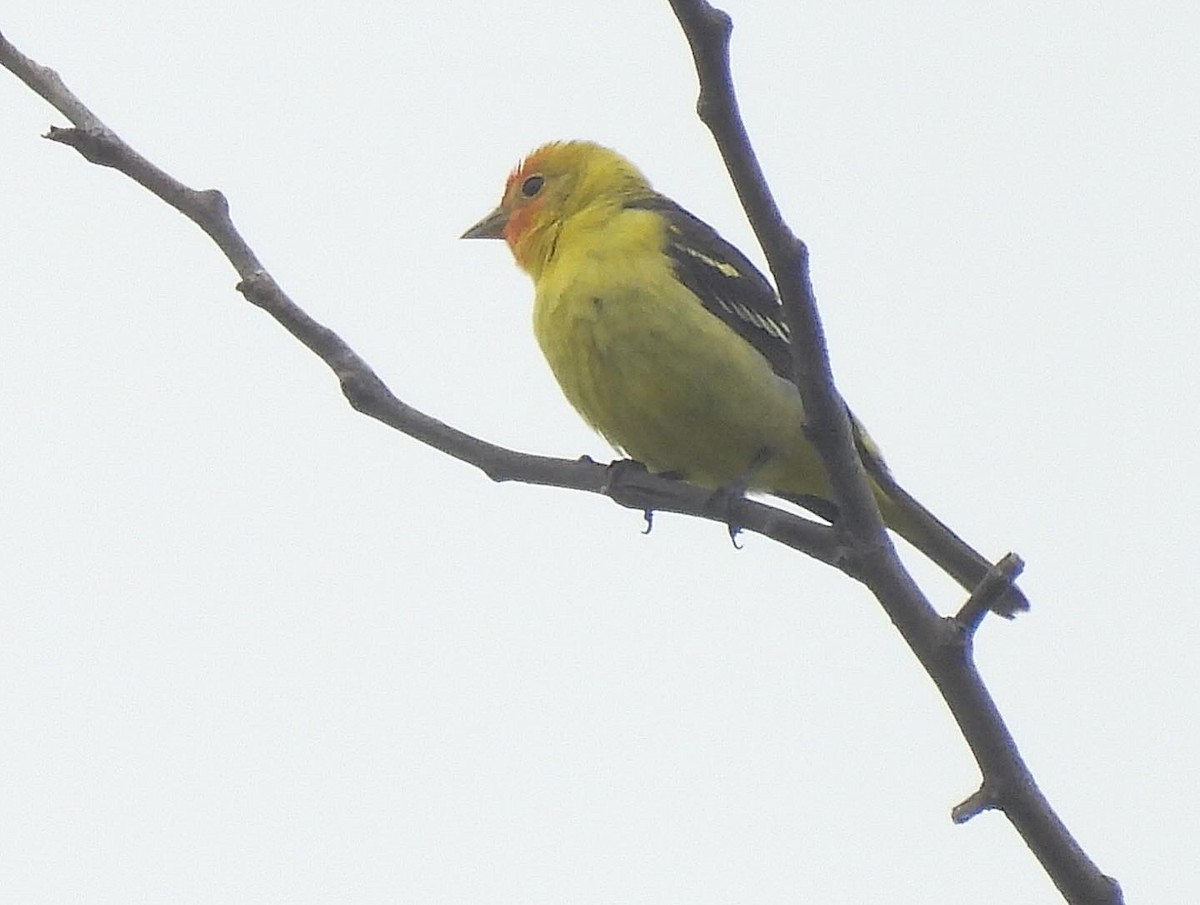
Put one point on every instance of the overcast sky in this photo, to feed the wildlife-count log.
(257, 648)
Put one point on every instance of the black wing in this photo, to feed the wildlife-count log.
(725, 281)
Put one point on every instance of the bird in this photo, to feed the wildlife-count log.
(671, 344)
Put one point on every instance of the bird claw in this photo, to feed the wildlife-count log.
(623, 470)
(720, 505)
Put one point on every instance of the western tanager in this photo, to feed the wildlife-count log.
(671, 344)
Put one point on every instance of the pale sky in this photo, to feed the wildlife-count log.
(256, 648)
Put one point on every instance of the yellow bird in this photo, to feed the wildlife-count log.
(671, 344)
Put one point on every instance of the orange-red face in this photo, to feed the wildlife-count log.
(553, 184)
(524, 197)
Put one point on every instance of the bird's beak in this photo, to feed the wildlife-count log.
(490, 227)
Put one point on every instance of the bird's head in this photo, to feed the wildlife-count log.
(558, 181)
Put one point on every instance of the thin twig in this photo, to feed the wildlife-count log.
(998, 579)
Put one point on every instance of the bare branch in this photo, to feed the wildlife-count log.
(942, 645)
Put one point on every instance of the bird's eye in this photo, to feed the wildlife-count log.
(532, 185)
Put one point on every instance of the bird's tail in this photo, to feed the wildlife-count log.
(925, 531)
(903, 514)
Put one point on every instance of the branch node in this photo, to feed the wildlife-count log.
(214, 203)
(975, 804)
(97, 144)
(258, 289)
(998, 580)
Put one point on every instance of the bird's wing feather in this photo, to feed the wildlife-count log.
(725, 282)
(733, 289)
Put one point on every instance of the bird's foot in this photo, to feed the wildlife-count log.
(629, 473)
(721, 504)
